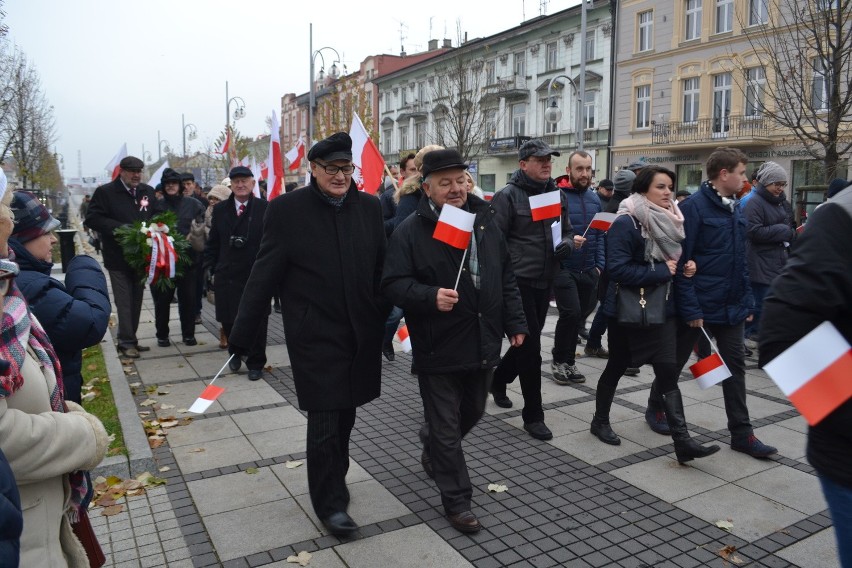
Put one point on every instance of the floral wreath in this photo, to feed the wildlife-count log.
(155, 250)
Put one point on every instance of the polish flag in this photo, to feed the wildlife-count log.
(245, 162)
(602, 221)
(546, 206)
(112, 167)
(264, 171)
(275, 181)
(157, 176)
(255, 172)
(710, 371)
(488, 195)
(814, 372)
(207, 397)
(295, 155)
(402, 335)
(454, 226)
(368, 160)
(223, 149)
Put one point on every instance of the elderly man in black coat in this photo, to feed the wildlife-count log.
(322, 251)
(456, 332)
(123, 201)
(236, 233)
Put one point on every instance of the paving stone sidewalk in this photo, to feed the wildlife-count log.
(233, 499)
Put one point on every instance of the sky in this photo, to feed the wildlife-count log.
(119, 72)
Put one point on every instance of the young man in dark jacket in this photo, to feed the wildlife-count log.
(456, 334)
(121, 202)
(814, 287)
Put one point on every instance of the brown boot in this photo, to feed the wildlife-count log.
(223, 339)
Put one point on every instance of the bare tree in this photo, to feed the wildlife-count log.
(336, 104)
(806, 54)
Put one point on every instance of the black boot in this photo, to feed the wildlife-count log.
(686, 449)
(601, 429)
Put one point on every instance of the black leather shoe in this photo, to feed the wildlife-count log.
(163, 342)
(340, 524)
(388, 353)
(604, 432)
(142, 348)
(465, 522)
(190, 341)
(538, 430)
(426, 462)
(235, 364)
(631, 371)
(502, 400)
(255, 374)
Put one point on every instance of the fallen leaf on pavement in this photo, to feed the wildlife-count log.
(197, 450)
(164, 469)
(148, 402)
(182, 410)
(144, 413)
(303, 559)
(112, 510)
(293, 464)
(728, 554)
(726, 525)
(155, 442)
(251, 470)
(169, 424)
(496, 488)
(134, 385)
(166, 406)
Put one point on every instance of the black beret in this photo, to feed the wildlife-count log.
(240, 172)
(131, 163)
(338, 146)
(438, 160)
(170, 176)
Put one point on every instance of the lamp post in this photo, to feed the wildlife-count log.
(553, 114)
(239, 111)
(193, 133)
(160, 147)
(332, 72)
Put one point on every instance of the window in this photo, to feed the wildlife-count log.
(440, 130)
(552, 53)
(819, 96)
(519, 119)
(589, 110)
(403, 138)
(724, 16)
(689, 176)
(384, 98)
(420, 134)
(521, 64)
(693, 19)
(550, 127)
(755, 87)
(758, 12)
(403, 96)
(387, 135)
(691, 96)
(590, 45)
(646, 30)
(721, 104)
(487, 181)
(643, 106)
(490, 73)
(421, 91)
(491, 123)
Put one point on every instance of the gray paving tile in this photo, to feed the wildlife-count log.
(319, 559)
(200, 432)
(217, 453)
(667, 479)
(729, 465)
(261, 394)
(296, 479)
(788, 486)
(790, 444)
(559, 422)
(584, 411)
(164, 370)
(757, 407)
(637, 430)
(269, 419)
(236, 491)
(591, 450)
(280, 442)
(369, 503)
(817, 551)
(412, 547)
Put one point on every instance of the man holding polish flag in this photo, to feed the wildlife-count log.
(456, 331)
(805, 332)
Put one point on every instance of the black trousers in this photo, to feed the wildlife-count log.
(256, 358)
(525, 361)
(127, 291)
(328, 459)
(186, 290)
(576, 294)
(729, 340)
(453, 404)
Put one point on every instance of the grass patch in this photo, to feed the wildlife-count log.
(96, 380)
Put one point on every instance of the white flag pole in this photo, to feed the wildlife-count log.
(460, 270)
(220, 370)
(713, 345)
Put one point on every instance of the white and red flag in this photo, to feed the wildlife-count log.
(454, 227)
(157, 176)
(295, 155)
(602, 221)
(245, 162)
(814, 373)
(255, 172)
(226, 143)
(488, 195)
(113, 166)
(404, 339)
(710, 371)
(275, 181)
(369, 164)
(546, 205)
(207, 397)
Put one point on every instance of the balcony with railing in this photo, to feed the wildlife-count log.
(509, 87)
(751, 129)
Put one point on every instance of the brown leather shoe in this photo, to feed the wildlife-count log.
(465, 522)
(223, 339)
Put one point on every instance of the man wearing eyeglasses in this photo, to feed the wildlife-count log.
(323, 249)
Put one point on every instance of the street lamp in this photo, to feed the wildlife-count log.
(239, 111)
(332, 73)
(193, 133)
(160, 147)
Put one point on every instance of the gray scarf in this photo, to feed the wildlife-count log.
(662, 229)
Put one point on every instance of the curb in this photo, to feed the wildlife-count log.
(139, 458)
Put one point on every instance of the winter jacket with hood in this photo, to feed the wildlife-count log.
(769, 235)
(582, 205)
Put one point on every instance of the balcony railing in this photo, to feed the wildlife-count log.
(508, 87)
(731, 127)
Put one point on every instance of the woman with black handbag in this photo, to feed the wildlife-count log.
(643, 248)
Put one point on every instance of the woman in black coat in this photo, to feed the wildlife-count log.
(643, 249)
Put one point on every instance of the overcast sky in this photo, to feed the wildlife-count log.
(118, 71)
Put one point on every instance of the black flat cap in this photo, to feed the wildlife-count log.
(537, 148)
(170, 176)
(438, 160)
(338, 146)
(240, 172)
(187, 176)
(131, 163)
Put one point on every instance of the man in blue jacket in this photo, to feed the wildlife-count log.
(577, 280)
(719, 297)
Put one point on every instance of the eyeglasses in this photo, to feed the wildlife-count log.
(779, 183)
(6, 279)
(332, 170)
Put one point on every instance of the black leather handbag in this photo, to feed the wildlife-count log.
(641, 306)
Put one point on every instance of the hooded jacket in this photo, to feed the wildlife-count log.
(582, 205)
(769, 235)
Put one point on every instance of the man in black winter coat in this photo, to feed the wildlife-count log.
(121, 202)
(323, 248)
(456, 334)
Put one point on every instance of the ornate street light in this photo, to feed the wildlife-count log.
(239, 110)
(193, 133)
(332, 73)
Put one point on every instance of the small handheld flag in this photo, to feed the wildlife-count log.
(546, 205)
(209, 394)
(404, 339)
(454, 226)
(601, 221)
(710, 370)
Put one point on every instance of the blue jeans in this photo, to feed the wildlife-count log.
(839, 498)
(752, 328)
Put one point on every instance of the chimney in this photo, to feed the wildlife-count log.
(433, 44)
(448, 42)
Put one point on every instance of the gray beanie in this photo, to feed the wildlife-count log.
(770, 173)
(623, 181)
(220, 192)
